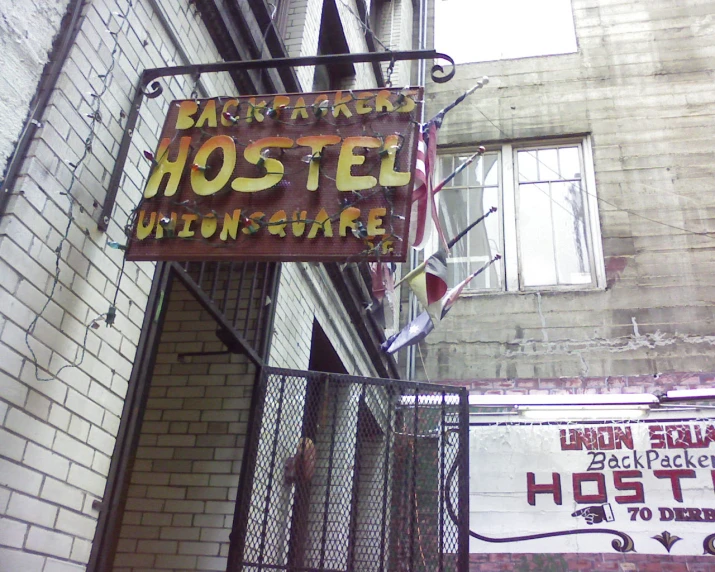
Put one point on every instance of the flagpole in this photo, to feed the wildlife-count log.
(437, 119)
(459, 169)
(417, 269)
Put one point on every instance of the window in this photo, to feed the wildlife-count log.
(546, 226)
(503, 29)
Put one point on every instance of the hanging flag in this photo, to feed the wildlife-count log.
(424, 211)
(412, 333)
(429, 281)
(452, 296)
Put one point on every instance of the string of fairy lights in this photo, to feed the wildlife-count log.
(95, 120)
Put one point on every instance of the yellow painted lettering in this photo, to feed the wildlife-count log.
(277, 223)
(361, 104)
(165, 166)
(255, 110)
(230, 225)
(344, 180)
(316, 143)
(298, 224)
(186, 232)
(374, 220)
(382, 102)
(340, 104)
(406, 102)
(299, 109)
(209, 224)
(388, 176)
(230, 107)
(199, 183)
(208, 115)
(347, 219)
(274, 168)
(184, 119)
(322, 222)
(144, 230)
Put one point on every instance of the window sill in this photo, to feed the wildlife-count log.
(474, 294)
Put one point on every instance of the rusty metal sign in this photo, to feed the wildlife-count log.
(305, 177)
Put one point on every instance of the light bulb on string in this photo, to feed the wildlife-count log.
(198, 168)
(230, 117)
(321, 109)
(359, 230)
(149, 155)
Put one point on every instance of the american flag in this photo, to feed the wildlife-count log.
(424, 211)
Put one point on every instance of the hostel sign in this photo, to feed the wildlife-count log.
(594, 487)
(313, 177)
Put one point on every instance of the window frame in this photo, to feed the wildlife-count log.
(508, 188)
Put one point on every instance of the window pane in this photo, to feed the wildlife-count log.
(445, 168)
(536, 244)
(528, 170)
(548, 160)
(460, 180)
(570, 163)
(489, 169)
(571, 246)
(453, 214)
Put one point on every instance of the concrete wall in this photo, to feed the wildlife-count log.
(27, 30)
(641, 85)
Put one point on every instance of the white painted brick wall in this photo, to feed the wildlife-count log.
(183, 487)
(56, 435)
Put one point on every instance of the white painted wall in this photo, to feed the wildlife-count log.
(27, 30)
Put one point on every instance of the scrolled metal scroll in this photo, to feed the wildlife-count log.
(437, 72)
(155, 91)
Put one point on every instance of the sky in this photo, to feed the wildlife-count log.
(483, 30)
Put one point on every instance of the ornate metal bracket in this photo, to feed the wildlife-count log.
(150, 88)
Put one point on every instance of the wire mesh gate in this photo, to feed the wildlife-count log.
(354, 474)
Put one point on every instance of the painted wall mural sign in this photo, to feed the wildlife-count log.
(647, 486)
(313, 177)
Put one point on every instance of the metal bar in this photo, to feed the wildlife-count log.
(110, 518)
(463, 557)
(149, 87)
(265, 346)
(217, 315)
(237, 538)
(326, 505)
(354, 504)
(249, 306)
(227, 287)
(238, 293)
(332, 59)
(385, 480)
(118, 171)
(258, 342)
(413, 503)
(202, 267)
(269, 487)
(217, 272)
(442, 454)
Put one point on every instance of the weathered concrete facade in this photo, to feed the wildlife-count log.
(641, 86)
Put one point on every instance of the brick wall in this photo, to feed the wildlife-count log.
(56, 436)
(180, 505)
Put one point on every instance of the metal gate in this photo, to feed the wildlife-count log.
(354, 474)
